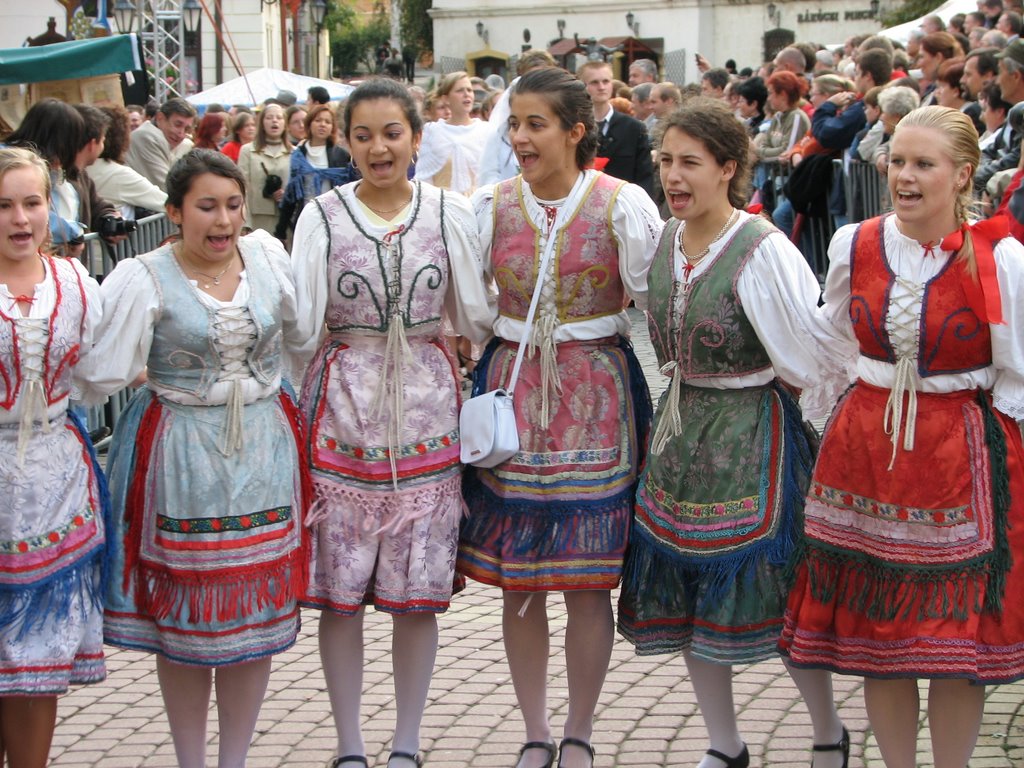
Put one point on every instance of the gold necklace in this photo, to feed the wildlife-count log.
(694, 260)
(214, 279)
(380, 212)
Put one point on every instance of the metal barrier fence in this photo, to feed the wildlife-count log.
(100, 258)
(865, 193)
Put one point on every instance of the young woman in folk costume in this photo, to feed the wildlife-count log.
(205, 469)
(915, 514)
(52, 525)
(731, 310)
(377, 264)
(555, 517)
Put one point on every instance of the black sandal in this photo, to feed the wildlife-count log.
(408, 756)
(742, 760)
(569, 741)
(843, 745)
(348, 759)
(547, 746)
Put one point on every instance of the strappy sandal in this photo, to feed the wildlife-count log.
(547, 746)
(569, 741)
(408, 756)
(338, 761)
(742, 760)
(843, 745)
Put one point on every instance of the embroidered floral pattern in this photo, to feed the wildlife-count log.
(371, 453)
(49, 538)
(866, 506)
(207, 525)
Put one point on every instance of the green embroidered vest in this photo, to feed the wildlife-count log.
(713, 337)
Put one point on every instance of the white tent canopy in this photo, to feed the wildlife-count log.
(262, 84)
(945, 12)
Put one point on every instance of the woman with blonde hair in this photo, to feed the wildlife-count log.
(452, 147)
(916, 508)
(265, 166)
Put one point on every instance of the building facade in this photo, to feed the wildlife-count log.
(675, 29)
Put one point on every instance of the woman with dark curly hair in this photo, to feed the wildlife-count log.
(718, 517)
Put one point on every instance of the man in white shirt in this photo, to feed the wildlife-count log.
(155, 145)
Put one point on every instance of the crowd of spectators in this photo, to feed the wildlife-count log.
(808, 102)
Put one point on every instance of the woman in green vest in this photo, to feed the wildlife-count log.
(718, 516)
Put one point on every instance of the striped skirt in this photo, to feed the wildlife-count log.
(556, 515)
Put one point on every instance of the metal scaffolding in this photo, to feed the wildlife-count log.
(161, 29)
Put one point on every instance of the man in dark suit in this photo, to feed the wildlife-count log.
(623, 139)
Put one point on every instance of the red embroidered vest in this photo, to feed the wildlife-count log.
(64, 331)
(587, 281)
(953, 339)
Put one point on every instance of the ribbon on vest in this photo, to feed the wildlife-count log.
(983, 292)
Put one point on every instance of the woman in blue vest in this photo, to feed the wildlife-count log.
(205, 467)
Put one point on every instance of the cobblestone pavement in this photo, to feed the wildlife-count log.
(647, 715)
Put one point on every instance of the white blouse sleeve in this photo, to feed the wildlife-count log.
(297, 346)
(93, 319)
(637, 226)
(310, 245)
(780, 298)
(482, 203)
(131, 307)
(1008, 338)
(471, 308)
(435, 150)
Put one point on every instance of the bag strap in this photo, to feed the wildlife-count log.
(542, 272)
(796, 127)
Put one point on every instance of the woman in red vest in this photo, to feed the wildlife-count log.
(915, 514)
(555, 517)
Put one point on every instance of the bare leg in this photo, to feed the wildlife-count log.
(816, 689)
(413, 651)
(712, 684)
(527, 645)
(186, 692)
(341, 652)
(893, 707)
(955, 709)
(589, 635)
(26, 729)
(240, 692)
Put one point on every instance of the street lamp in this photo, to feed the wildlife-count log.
(483, 33)
(874, 8)
(318, 8)
(633, 24)
(124, 16)
(774, 14)
(191, 13)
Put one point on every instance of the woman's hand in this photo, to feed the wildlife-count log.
(843, 100)
(278, 195)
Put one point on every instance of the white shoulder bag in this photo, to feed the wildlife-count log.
(488, 433)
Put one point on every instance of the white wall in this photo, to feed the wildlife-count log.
(719, 29)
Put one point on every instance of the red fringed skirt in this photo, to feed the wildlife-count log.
(915, 571)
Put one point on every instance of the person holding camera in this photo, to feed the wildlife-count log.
(264, 163)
